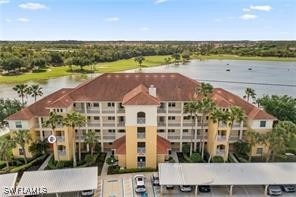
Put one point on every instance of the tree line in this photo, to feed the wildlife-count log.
(35, 56)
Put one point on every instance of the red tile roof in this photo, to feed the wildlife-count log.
(163, 145)
(139, 96)
(224, 98)
(39, 108)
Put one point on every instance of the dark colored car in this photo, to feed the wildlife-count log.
(204, 188)
(288, 188)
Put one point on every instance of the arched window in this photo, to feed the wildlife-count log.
(141, 117)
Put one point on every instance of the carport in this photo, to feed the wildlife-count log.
(228, 174)
(7, 181)
(61, 181)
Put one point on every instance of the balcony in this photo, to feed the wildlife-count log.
(174, 124)
(79, 109)
(161, 124)
(141, 120)
(93, 110)
(173, 137)
(108, 124)
(80, 137)
(121, 124)
(108, 111)
(141, 150)
(161, 110)
(233, 138)
(221, 138)
(141, 164)
(93, 124)
(220, 152)
(175, 111)
(120, 111)
(141, 135)
(187, 137)
(109, 137)
(62, 152)
(188, 124)
(60, 138)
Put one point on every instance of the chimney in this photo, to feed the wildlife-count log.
(152, 90)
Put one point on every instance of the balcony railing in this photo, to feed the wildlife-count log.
(80, 110)
(161, 110)
(109, 137)
(93, 124)
(120, 111)
(93, 110)
(109, 124)
(188, 124)
(233, 138)
(141, 150)
(187, 137)
(62, 152)
(141, 135)
(60, 138)
(141, 120)
(121, 124)
(161, 124)
(220, 152)
(174, 124)
(141, 164)
(80, 137)
(176, 111)
(174, 137)
(221, 138)
(108, 111)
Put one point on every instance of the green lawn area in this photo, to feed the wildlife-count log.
(54, 72)
(235, 57)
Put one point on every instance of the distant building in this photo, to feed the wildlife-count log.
(139, 116)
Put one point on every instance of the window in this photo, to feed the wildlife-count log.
(171, 130)
(111, 130)
(88, 104)
(74, 105)
(21, 151)
(121, 118)
(160, 130)
(96, 117)
(96, 104)
(259, 151)
(97, 130)
(61, 110)
(141, 117)
(185, 131)
(171, 104)
(18, 124)
(141, 132)
(186, 117)
(88, 117)
(111, 118)
(121, 131)
(58, 110)
(110, 104)
(263, 123)
(172, 118)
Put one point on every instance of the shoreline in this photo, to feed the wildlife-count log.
(123, 66)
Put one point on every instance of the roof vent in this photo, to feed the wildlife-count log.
(152, 91)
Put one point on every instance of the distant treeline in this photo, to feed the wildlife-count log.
(29, 55)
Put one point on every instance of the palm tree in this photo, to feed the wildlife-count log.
(21, 90)
(234, 114)
(52, 122)
(204, 90)
(253, 138)
(249, 93)
(205, 106)
(73, 120)
(39, 147)
(35, 90)
(6, 146)
(91, 139)
(22, 137)
(191, 108)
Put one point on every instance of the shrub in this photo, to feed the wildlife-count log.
(117, 170)
(218, 159)
(186, 149)
(60, 164)
(195, 158)
(28, 165)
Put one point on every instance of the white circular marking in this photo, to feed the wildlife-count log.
(52, 139)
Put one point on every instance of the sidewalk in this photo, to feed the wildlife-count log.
(45, 163)
(105, 166)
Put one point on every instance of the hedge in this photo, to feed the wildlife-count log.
(117, 170)
(28, 165)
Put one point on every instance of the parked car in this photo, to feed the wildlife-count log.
(169, 186)
(155, 179)
(87, 193)
(274, 190)
(140, 183)
(204, 188)
(288, 188)
(185, 188)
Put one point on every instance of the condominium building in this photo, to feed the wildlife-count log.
(140, 117)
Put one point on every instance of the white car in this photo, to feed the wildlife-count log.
(185, 188)
(140, 183)
(274, 190)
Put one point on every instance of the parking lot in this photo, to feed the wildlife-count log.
(124, 185)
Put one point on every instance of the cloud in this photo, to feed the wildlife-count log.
(23, 20)
(8, 20)
(217, 20)
(160, 1)
(4, 1)
(32, 6)
(265, 8)
(112, 19)
(248, 17)
(144, 29)
(246, 10)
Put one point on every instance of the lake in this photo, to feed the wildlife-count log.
(253, 74)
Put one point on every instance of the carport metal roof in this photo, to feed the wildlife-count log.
(64, 180)
(7, 180)
(227, 173)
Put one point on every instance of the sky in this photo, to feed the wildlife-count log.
(147, 19)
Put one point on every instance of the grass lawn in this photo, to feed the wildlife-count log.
(54, 72)
(235, 57)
